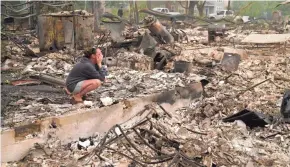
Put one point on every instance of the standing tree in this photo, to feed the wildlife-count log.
(200, 7)
(184, 6)
(131, 11)
(136, 12)
(98, 8)
(96, 15)
(191, 7)
(229, 4)
(149, 5)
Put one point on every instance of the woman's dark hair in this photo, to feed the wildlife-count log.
(88, 53)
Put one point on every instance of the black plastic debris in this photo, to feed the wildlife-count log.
(166, 97)
(230, 61)
(84, 143)
(148, 44)
(285, 106)
(182, 66)
(250, 118)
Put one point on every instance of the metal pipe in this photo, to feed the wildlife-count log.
(158, 29)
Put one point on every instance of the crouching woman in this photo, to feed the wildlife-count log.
(87, 75)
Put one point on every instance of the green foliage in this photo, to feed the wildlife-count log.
(116, 4)
(142, 5)
(258, 8)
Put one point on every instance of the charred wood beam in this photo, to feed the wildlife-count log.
(49, 79)
(114, 18)
(127, 44)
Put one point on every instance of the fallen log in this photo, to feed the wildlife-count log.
(49, 80)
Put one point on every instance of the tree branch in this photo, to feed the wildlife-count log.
(182, 5)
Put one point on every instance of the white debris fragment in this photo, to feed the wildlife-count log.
(106, 101)
(88, 103)
(117, 130)
(85, 143)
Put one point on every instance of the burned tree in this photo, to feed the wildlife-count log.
(200, 7)
(149, 5)
(136, 12)
(98, 8)
(192, 4)
(229, 5)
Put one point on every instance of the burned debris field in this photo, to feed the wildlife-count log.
(182, 90)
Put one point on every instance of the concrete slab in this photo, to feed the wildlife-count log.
(266, 38)
(69, 127)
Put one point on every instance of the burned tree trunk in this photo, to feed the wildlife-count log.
(229, 4)
(186, 9)
(96, 15)
(184, 6)
(200, 7)
(191, 7)
(131, 12)
(136, 13)
(98, 8)
(101, 7)
(149, 5)
(168, 5)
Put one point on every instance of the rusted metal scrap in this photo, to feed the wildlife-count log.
(230, 61)
(216, 31)
(65, 30)
(158, 29)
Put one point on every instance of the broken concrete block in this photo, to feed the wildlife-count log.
(22, 131)
(88, 103)
(230, 62)
(134, 61)
(218, 55)
(182, 66)
(243, 53)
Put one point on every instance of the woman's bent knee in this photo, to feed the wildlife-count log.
(97, 82)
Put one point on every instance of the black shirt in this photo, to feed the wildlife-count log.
(84, 70)
(120, 12)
